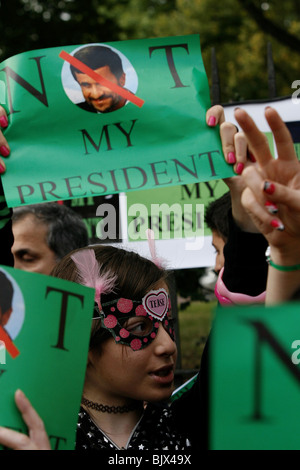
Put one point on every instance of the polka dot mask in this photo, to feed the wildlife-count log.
(135, 323)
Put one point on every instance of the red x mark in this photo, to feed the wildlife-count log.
(9, 345)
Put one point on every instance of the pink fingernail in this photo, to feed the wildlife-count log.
(231, 157)
(3, 121)
(212, 121)
(2, 169)
(269, 188)
(277, 224)
(239, 168)
(4, 151)
(271, 207)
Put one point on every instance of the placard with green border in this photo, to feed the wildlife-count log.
(46, 341)
(158, 138)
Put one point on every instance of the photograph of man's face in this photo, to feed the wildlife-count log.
(12, 306)
(102, 98)
(6, 299)
(112, 66)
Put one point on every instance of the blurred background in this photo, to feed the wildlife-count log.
(239, 30)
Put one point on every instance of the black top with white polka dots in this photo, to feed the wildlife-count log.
(154, 431)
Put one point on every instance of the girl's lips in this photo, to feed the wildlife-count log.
(164, 375)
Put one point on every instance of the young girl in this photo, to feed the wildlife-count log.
(132, 352)
(132, 355)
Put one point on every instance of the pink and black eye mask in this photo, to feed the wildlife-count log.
(135, 323)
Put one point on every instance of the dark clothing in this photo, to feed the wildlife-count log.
(245, 268)
(154, 431)
(190, 413)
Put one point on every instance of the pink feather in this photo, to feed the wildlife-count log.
(151, 243)
(89, 272)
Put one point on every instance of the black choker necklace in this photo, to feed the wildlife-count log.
(108, 409)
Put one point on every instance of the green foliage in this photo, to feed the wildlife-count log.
(239, 30)
(194, 326)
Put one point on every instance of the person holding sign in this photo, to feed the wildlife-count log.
(131, 360)
(35, 237)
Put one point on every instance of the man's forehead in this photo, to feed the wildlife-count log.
(104, 71)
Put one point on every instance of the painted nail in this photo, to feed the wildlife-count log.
(4, 151)
(271, 207)
(2, 168)
(239, 168)
(231, 157)
(269, 188)
(277, 224)
(212, 121)
(3, 121)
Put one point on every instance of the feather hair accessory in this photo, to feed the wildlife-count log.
(151, 242)
(89, 274)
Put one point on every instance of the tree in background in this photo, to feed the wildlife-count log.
(239, 30)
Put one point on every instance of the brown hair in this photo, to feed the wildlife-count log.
(135, 276)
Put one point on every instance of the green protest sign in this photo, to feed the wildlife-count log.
(255, 378)
(44, 346)
(79, 130)
(171, 213)
(101, 216)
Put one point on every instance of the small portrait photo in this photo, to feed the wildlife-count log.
(87, 93)
(12, 307)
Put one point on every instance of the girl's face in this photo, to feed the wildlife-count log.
(120, 372)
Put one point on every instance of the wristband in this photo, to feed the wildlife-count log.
(294, 267)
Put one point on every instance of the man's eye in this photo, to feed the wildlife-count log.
(28, 259)
(25, 258)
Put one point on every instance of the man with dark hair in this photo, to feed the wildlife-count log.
(6, 296)
(98, 97)
(45, 233)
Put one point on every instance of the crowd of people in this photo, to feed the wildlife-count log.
(132, 352)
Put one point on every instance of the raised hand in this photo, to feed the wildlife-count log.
(272, 197)
(4, 147)
(236, 153)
